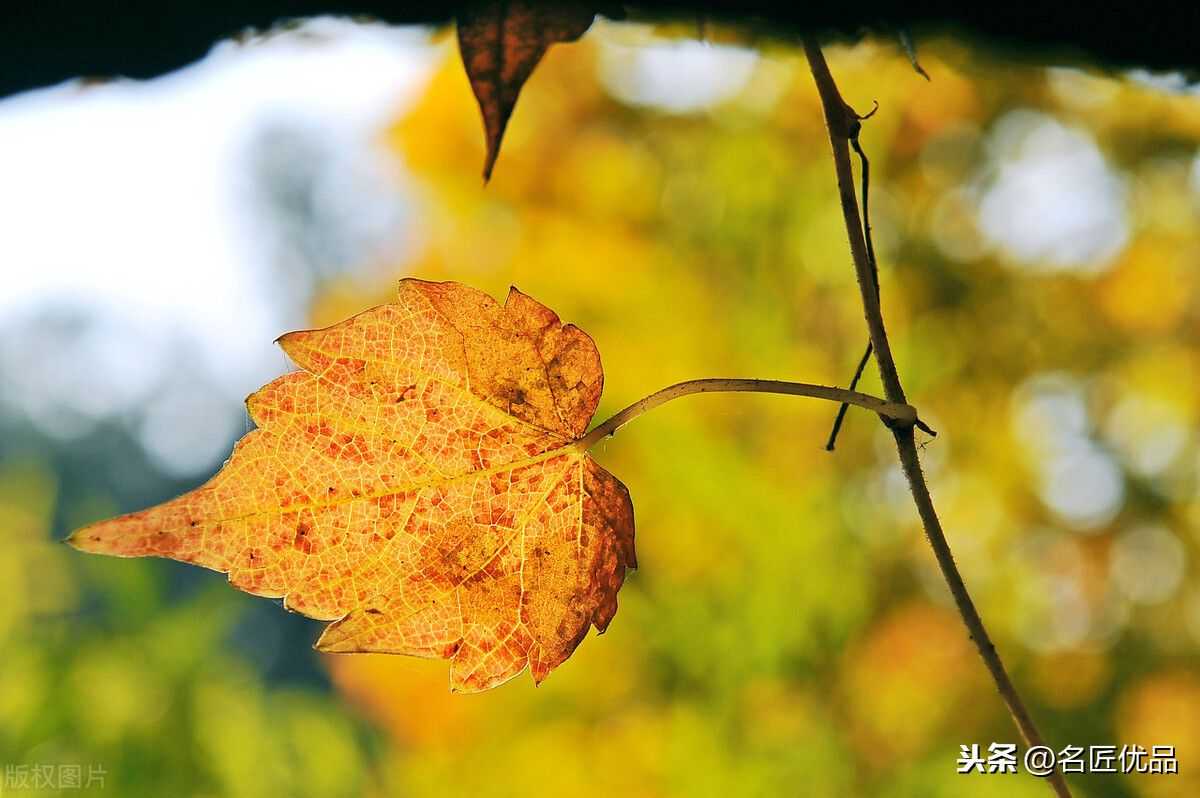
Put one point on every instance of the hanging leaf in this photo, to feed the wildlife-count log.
(418, 483)
(501, 43)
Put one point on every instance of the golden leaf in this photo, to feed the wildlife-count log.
(418, 483)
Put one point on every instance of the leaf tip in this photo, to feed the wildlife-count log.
(332, 642)
(84, 539)
(286, 340)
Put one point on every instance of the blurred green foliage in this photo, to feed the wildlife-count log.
(787, 633)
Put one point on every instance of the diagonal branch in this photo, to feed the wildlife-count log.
(843, 124)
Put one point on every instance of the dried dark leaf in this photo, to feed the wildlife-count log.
(501, 43)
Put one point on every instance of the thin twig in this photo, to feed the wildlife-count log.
(841, 413)
(866, 215)
(895, 412)
(842, 123)
(866, 200)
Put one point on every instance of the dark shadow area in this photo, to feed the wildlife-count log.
(45, 43)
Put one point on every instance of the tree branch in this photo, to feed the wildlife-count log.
(843, 124)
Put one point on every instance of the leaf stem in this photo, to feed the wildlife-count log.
(843, 125)
(897, 413)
